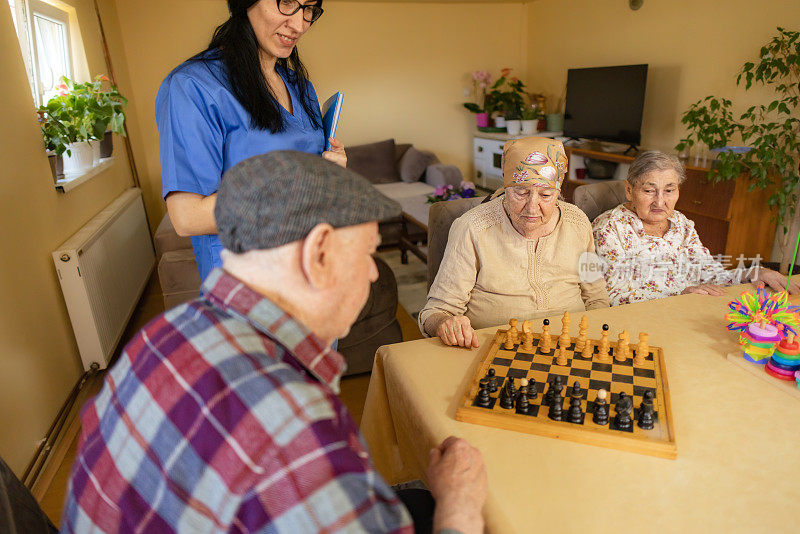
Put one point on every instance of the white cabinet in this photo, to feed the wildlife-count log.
(487, 155)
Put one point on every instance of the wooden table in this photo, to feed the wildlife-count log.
(738, 437)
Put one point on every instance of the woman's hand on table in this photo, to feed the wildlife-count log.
(775, 281)
(457, 479)
(458, 331)
(336, 154)
(705, 289)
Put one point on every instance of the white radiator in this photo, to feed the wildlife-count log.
(103, 270)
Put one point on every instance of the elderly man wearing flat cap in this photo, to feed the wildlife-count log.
(221, 415)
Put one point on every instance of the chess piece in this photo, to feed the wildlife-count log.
(582, 328)
(546, 340)
(556, 411)
(575, 414)
(483, 399)
(564, 339)
(512, 335)
(554, 385)
(602, 354)
(646, 417)
(522, 397)
(619, 353)
(491, 376)
(642, 349)
(600, 409)
(622, 421)
(527, 336)
(532, 393)
(562, 356)
(512, 390)
(588, 349)
(506, 401)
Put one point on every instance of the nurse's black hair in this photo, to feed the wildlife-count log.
(236, 42)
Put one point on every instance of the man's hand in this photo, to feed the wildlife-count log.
(457, 331)
(775, 281)
(336, 154)
(705, 289)
(457, 479)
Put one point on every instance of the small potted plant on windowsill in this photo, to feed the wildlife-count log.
(530, 120)
(509, 99)
(76, 119)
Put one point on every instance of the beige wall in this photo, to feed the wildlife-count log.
(39, 359)
(694, 48)
(402, 67)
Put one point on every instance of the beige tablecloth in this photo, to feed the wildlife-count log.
(738, 437)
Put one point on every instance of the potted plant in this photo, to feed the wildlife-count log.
(481, 108)
(78, 117)
(771, 131)
(507, 93)
(530, 120)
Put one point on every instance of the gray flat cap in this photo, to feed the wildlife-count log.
(276, 198)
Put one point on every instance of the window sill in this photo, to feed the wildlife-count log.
(70, 182)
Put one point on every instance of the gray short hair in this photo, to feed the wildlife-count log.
(655, 160)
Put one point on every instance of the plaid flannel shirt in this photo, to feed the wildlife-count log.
(222, 416)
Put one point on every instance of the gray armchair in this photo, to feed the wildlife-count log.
(595, 199)
(440, 218)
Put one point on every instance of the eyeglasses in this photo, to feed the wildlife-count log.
(290, 7)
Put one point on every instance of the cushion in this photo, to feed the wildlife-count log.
(413, 164)
(166, 239)
(399, 151)
(374, 161)
(441, 174)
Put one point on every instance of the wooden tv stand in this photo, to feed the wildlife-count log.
(729, 219)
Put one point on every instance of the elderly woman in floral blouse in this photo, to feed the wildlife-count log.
(515, 256)
(652, 251)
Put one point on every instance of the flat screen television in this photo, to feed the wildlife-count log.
(606, 103)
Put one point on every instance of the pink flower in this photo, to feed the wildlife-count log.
(467, 185)
(548, 173)
(62, 89)
(536, 158)
(103, 78)
(439, 191)
(505, 72)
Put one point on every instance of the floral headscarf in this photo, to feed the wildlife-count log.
(537, 161)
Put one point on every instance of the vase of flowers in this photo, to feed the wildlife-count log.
(78, 117)
(449, 192)
(481, 107)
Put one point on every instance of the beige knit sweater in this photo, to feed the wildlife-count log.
(491, 273)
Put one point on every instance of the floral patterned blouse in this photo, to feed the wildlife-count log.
(638, 266)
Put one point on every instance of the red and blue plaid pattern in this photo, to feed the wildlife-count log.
(222, 416)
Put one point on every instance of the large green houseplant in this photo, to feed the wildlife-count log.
(770, 130)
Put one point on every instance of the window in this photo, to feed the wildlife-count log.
(43, 31)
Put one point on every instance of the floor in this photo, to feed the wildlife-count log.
(353, 388)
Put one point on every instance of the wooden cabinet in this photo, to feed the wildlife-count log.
(729, 219)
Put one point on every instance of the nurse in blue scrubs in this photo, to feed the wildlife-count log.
(248, 93)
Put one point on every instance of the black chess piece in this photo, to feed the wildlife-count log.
(555, 383)
(622, 421)
(506, 401)
(483, 399)
(646, 412)
(556, 411)
(522, 400)
(600, 416)
(512, 390)
(546, 322)
(532, 393)
(491, 375)
(605, 327)
(575, 414)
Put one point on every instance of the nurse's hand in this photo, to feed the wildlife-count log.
(336, 154)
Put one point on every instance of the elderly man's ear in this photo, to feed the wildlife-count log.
(318, 254)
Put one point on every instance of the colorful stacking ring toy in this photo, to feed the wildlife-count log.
(759, 342)
(785, 361)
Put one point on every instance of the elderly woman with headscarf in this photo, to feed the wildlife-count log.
(516, 255)
(651, 251)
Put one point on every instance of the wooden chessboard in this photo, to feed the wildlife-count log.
(614, 377)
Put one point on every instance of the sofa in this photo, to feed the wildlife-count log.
(376, 325)
(399, 170)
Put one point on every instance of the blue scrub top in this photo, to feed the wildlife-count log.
(204, 131)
